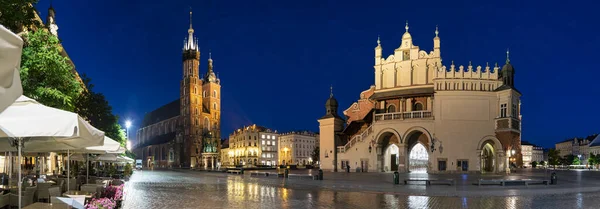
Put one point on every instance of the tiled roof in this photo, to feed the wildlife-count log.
(527, 143)
(595, 141)
(161, 139)
(162, 113)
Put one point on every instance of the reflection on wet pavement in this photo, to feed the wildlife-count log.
(177, 189)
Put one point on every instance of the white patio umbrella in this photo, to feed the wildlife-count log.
(106, 157)
(124, 159)
(11, 46)
(29, 126)
(108, 146)
(45, 129)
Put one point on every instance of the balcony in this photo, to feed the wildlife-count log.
(403, 115)
(508, 123)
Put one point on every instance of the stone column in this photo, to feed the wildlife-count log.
(379, 153)
(429, 104)
(409, 104)
(212, 164)
(402, 159)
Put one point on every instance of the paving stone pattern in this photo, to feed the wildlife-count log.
(191, 189)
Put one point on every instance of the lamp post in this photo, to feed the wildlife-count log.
(127, 125)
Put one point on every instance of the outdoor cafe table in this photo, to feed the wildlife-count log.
(78, 196)
(40, 205)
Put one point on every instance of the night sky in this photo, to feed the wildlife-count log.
(277, 59)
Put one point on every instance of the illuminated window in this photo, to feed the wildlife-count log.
(263, 142)
(263, 136)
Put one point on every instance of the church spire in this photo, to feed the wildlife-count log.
(191, 43)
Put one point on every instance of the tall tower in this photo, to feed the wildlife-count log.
(330, 126)
(191, 101)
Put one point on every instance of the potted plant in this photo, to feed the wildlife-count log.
(114, 193)
(101, 203)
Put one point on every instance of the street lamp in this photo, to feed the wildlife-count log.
(127, 125)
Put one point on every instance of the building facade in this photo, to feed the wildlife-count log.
(421, 116)
(185, 132)
(537, 154)
(253, 146)
(296, 148)
(578, 146)
(527, 151)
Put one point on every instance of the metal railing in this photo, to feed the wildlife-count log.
(356, 138)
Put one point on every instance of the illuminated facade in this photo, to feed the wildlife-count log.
(296, 148)
(252, 146)
(421, 116)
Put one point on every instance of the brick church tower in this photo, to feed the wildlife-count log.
(191, 100)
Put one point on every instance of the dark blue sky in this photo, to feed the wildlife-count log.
(277, 59)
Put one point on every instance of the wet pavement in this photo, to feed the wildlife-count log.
(193, 189)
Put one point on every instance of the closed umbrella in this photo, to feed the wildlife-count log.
(11, 46)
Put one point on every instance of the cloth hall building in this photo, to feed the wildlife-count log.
(185, 132)
(422, 116)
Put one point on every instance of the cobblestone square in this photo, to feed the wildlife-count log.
(193, 189)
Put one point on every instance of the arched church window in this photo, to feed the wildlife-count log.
(196, 111)
(418, 106)
(195, 90)
(215, 105)
(215, 93)
(391, 108)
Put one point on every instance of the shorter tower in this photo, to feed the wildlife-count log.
(51, 21)
(508, 128)
(211, 115)
(330, 126)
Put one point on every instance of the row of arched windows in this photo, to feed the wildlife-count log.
(418, 106)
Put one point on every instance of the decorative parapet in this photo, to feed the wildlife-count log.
(469, 79)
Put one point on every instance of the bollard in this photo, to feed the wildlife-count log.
(286, 172)
(396, 177)
(553, 178)
(320, 174)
